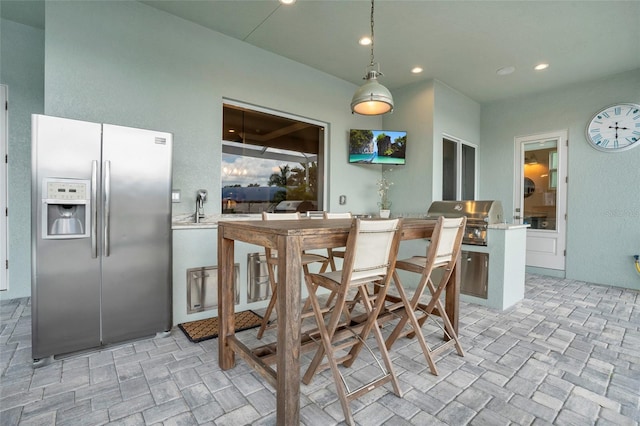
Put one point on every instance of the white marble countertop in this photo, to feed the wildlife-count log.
(186, 221)
(505, 226)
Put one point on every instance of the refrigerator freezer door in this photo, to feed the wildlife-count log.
(65, 278)
(136, 210)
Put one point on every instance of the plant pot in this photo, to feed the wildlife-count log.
(385, 213)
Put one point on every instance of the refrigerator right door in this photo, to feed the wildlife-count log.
(136, 218)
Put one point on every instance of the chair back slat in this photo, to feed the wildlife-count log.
(448, 237)
(445, 242)
(375, 239)
(280, 216)
(277, 216)
(333, 215)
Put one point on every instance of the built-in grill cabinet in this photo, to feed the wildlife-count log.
(474, 276)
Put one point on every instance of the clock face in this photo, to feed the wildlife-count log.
(615, 128)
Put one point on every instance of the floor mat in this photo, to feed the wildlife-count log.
(205, 329)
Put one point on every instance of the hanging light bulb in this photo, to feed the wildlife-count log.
(372, 98)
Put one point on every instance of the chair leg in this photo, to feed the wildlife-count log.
(323, 329)
(272, 302)
(373, 310)
(407, 304)
(408, 315)
(436, 303)
(307, 303)
(326, 348)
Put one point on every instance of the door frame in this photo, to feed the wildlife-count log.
(4, 196)
(554, 259)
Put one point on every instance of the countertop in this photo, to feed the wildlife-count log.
(185, 221)
(506, 226)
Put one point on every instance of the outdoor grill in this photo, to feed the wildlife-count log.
(479, 214)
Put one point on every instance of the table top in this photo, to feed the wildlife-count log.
(315, 233)
(311, 226)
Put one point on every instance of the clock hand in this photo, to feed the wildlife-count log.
(617, 127)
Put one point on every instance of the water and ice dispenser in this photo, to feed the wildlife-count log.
(66, 208)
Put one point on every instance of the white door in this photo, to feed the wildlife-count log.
(4, 240)
(541, 196)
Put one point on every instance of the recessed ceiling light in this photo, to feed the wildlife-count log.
(232, 131)
(541, 67)
(287, 1)
(505, 70)
(365, 41)
(417, 70)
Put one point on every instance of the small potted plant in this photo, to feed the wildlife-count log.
(383, 191)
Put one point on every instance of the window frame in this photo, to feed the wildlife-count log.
(322, 166)
(459, 144)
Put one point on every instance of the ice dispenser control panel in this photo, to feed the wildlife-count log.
(66, 208)
(66, 191)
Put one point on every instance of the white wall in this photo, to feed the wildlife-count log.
(603, 227)
(427, 110)
(413, 112)
(455, 115)
(22, 51)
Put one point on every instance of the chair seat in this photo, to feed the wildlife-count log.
(307, 259)
(355, 279)
(337, 253)
(417, 264)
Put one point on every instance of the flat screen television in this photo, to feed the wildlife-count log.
(377, 146)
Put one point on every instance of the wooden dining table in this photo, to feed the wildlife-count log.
(290, 238)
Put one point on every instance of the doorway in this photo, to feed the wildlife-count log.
(541, 197)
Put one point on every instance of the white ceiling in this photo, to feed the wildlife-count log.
(461, 43)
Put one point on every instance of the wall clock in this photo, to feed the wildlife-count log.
(615, 128)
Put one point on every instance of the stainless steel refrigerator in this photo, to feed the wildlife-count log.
(101, 234)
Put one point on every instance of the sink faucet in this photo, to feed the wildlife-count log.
(200, 199)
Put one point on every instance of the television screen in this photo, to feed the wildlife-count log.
(377, 146)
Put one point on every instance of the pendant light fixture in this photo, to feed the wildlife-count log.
(372, 98)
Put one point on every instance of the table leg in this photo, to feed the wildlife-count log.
(226, 299)
(452, 298)
(288, 364)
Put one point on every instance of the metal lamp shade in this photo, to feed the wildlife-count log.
(372, 98)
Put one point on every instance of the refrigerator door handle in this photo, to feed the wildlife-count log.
(107, 205)
(94, 209)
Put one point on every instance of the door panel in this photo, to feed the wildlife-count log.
(3, 188)
(540, 197)
(136, 298)
(542, 245)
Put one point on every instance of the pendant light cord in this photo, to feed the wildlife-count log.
(372, 33)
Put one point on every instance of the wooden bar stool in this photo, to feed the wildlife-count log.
(442, 253)
(372, 247)
(272, 261)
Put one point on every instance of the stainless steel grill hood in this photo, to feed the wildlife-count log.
(479, 215)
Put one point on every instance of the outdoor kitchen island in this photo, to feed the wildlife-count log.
(493, 252)
(506, 256)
